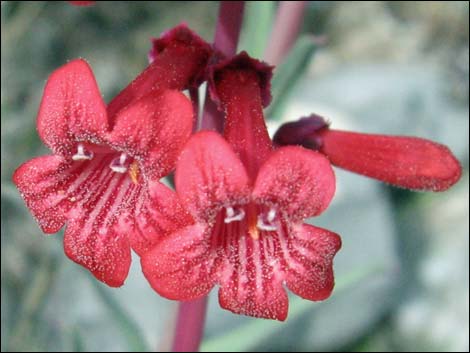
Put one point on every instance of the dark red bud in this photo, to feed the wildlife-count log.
(303, 132)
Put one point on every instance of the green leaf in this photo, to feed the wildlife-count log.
(288, 73)
(257, 25)
(77, 341)
(32, 303)
(259, 330)
(129, 328)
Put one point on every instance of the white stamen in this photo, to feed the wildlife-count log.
(230, 212)
(271, 215)
(122, 158)
(231, 216)
(263, 226)
(117, 165)
(82, 154)
(268, 226)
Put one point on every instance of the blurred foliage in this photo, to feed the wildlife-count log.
(258, 19)
(288, 73)
(419, 299)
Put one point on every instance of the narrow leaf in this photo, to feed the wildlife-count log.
(130, 329)
(259, 16)
(289, 73)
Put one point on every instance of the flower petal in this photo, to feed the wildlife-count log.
(251, 278)
(82, 3)
(310, 262)
(102, 250)
(240, 85)
(39, 182)
(71, 108)
(303, 132)
(299, 181)
(93, 238)
(409, 162)
(241, 62)
(180, 267)
(180, 58)
(158, 213)
(153, 130)
(209, 174)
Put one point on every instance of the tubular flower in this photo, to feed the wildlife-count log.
(82, 3)
(103, 177)
(408, 162)
(248, 203)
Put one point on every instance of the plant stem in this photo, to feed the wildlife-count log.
(191, 316)
(227, 33)
(228, 27)
(285, 30)
(190, 325)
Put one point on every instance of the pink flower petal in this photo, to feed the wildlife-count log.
(90, 197)
(251, 277)
(274, 306)
(40, 182)
(310, 262)
(153, 130)
(93, 238)
(180, 267)
(242, 62)
(100, 249)
(71, 108)
(82, 3)
(209, 174)
(158, 213)
(180, 60)
(239, 85)
(303, 132)
(299, 181)
(409, 162)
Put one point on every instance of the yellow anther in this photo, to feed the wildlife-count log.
(254, 232)
(134, 172)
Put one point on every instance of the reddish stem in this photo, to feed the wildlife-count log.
(285, 30)
(228, 27)
(189, 328)
(190, 325)
(226, 37)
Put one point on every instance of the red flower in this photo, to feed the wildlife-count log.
(103, 177)
(408, 162)
(82, 3)
(248, 203)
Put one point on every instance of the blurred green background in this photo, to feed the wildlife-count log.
(387, 67)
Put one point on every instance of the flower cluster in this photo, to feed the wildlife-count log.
(236, 216)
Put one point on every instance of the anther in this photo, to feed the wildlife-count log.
(271, 215)
(118, 164)
(134, 172)
(231, 215)
(82, 154)
(269, 225)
